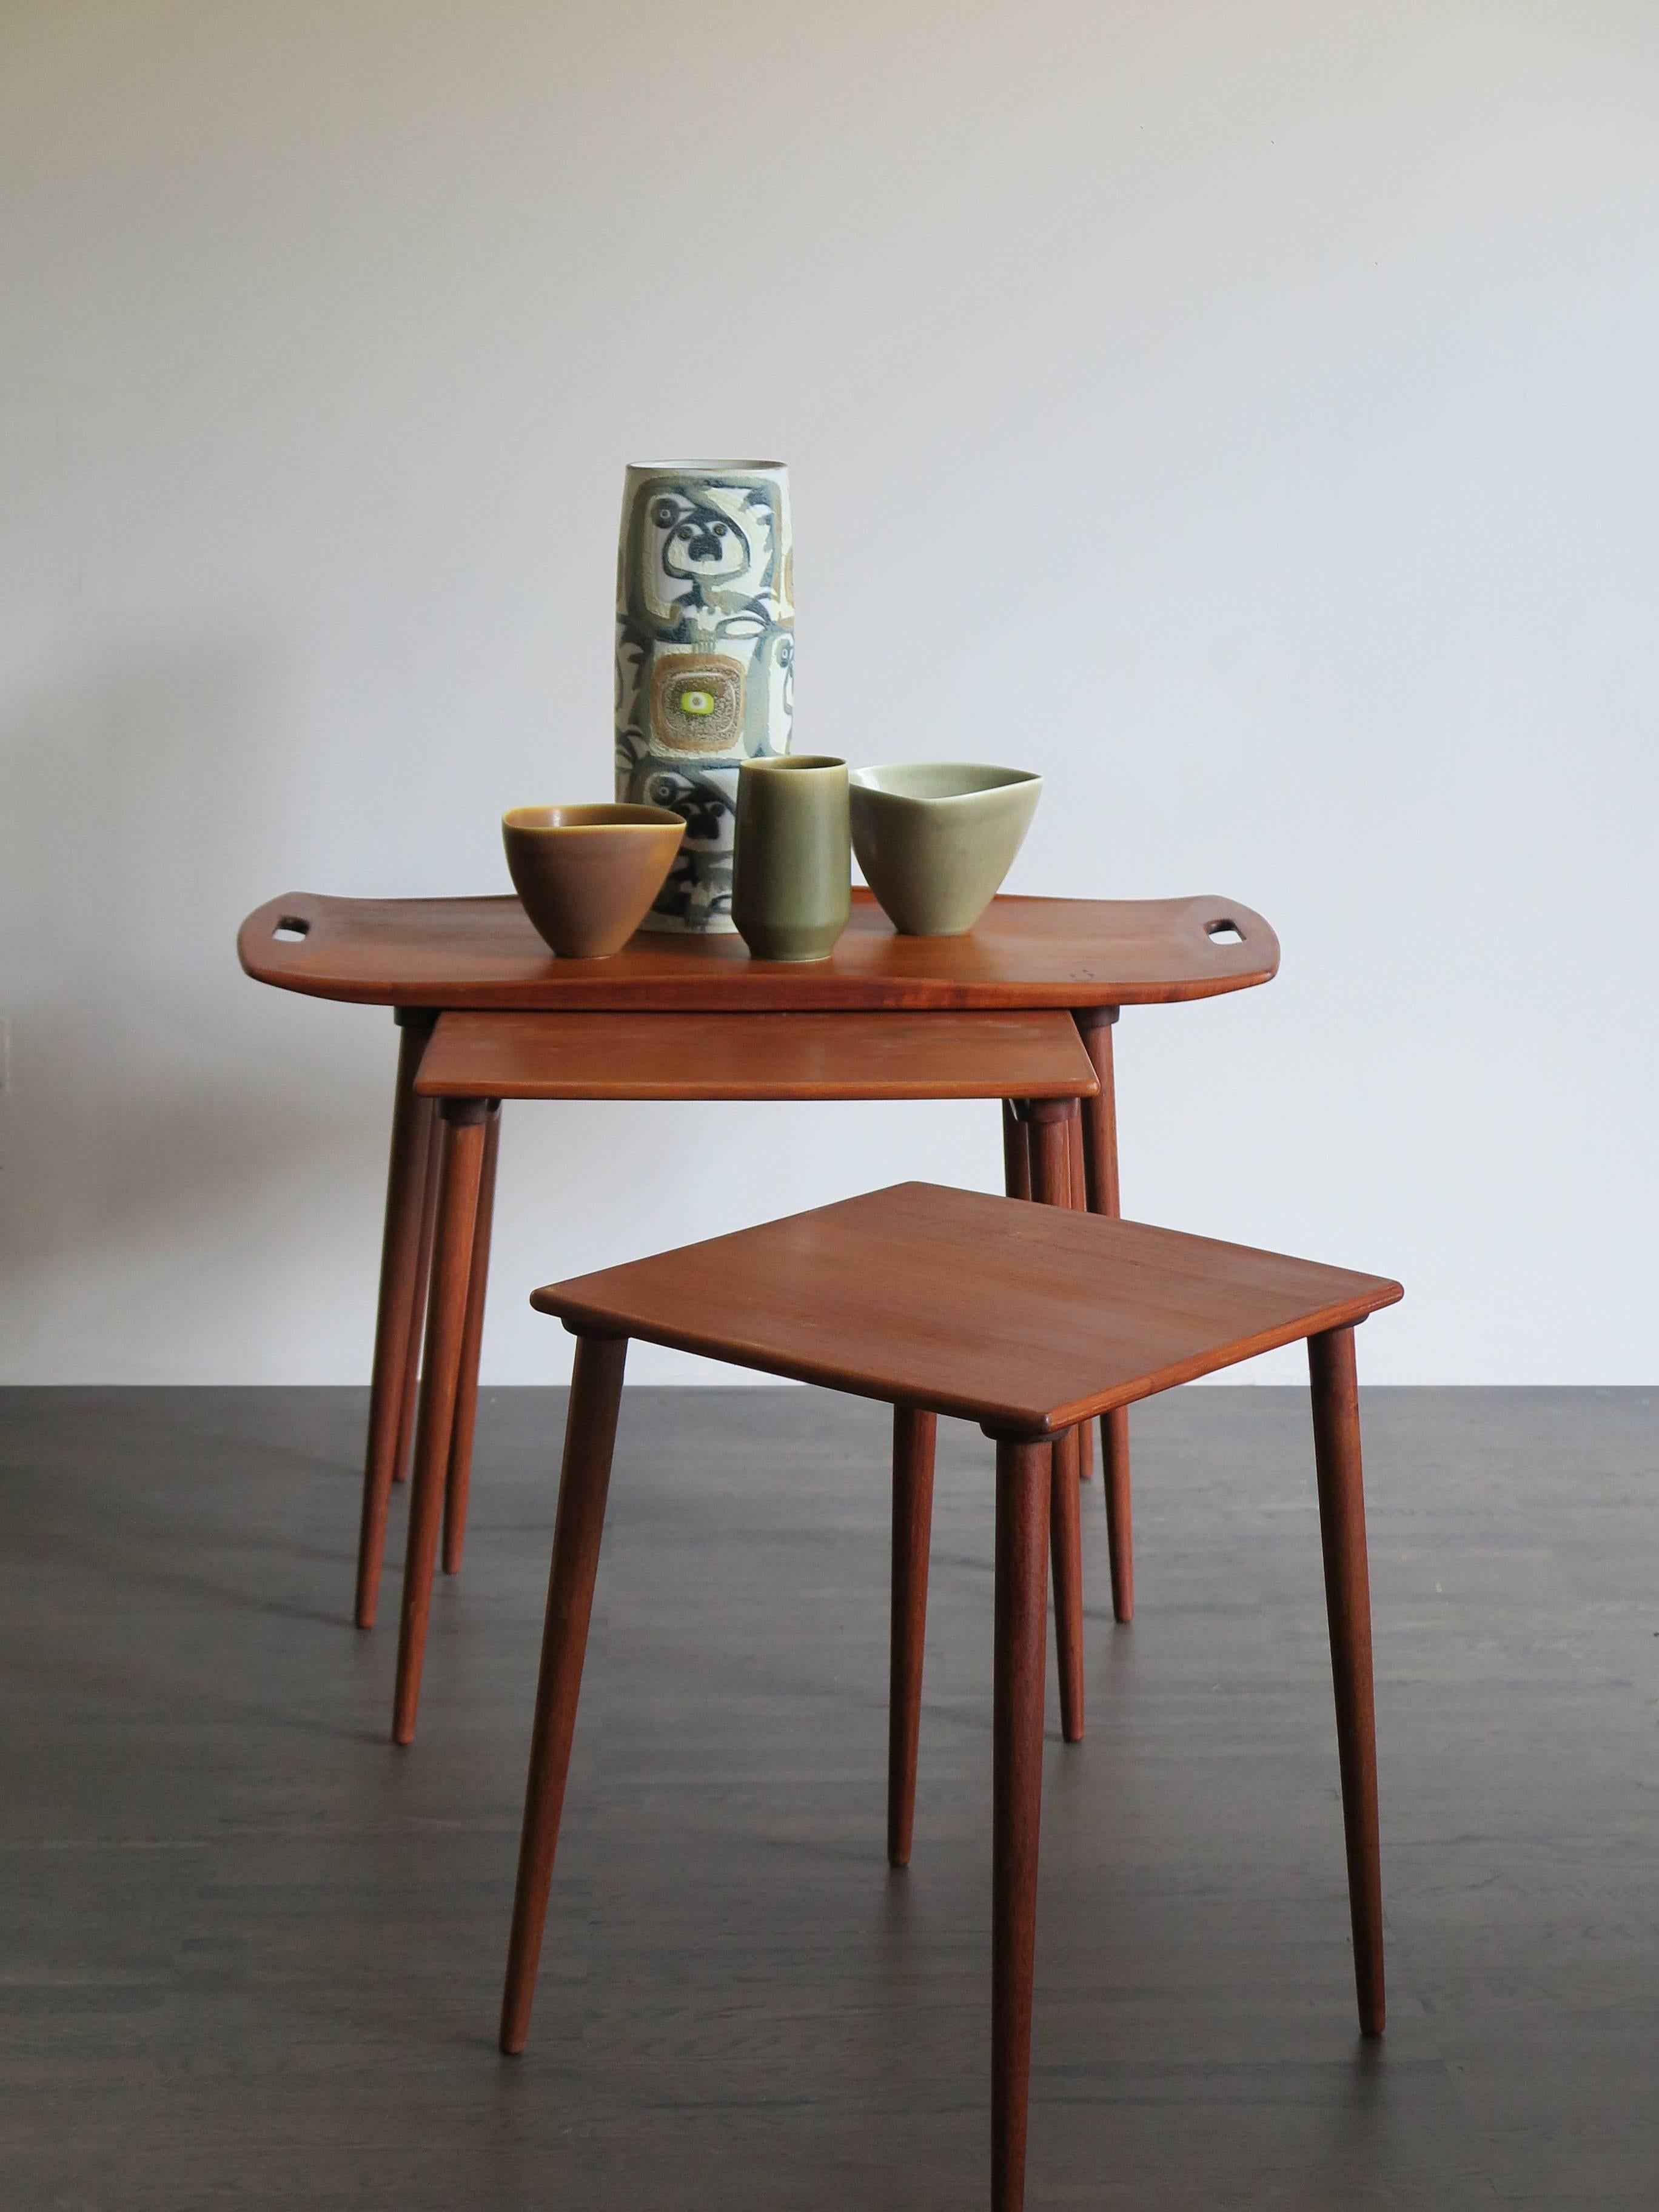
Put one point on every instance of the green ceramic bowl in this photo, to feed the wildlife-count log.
(936, 838)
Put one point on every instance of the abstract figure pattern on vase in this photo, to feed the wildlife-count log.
(705, 658)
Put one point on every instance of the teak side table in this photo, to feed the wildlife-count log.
(1035, 1062)
(420, 956)
(1027, 1320)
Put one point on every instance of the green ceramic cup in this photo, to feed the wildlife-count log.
(936, 838)
(792, 878)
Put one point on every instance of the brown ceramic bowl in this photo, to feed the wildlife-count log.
(587, 875)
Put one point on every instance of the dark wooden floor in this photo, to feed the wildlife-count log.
(252, 1954)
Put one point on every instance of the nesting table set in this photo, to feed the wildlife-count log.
(1036, 1322)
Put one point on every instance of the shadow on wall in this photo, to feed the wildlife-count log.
(151, 799)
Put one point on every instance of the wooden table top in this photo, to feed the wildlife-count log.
(1025, 1318)
(519, 1055)
(482, 952)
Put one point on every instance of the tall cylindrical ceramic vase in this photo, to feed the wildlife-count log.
(705, 658)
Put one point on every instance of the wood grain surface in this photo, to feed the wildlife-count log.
(515, 1054)
(483, 952)
(1024, 1318)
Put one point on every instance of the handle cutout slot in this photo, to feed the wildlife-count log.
(1224, 933)
(291, 929)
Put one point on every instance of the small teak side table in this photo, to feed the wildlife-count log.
(420, 956)
(1027, 1320)
(475, 1061)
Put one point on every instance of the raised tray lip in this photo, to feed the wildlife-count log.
(339, 959)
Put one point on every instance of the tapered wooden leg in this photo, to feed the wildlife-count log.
(1348, 1603)
(913, 1437)
(1050, 1124)
(1100, 1170)
(1068, 1191)
(1065, 1552)
(405, 1183)
(1016, 1153)
(460, 1476)
(1078, 1198)
(590, 1436)
(1120, 1529)
(463, 1124)
(1022, 1490)
(422, 1285)
(1049, 1121)
(1094, 1026)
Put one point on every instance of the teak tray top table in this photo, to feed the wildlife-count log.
(1028, 952)
(420, 956)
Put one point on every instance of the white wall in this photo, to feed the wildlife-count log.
(1243, 413)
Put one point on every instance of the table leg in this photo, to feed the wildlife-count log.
(400, 1272)
(1065, 1552)
(1016, 1152)
(1050, 1121)
(1022, 1490)
(1078, 1195)
(1348, 1605)
(590, 1436)
(1017, 1143)
(463, 1122)
(459, 1475)
(913, 1437)
(1100, 1164)
(422, 1285)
